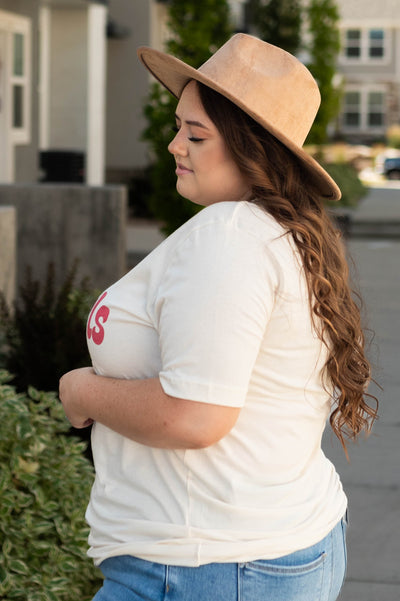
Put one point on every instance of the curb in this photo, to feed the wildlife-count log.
(352, 227)
(375, 229)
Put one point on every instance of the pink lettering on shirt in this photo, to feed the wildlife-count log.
(100, 314)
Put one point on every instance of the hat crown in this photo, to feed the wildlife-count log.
(269, 82)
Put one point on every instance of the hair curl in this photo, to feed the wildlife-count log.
(285, 190)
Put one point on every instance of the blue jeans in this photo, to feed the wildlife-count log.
(313, 574)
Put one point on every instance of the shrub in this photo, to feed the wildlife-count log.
(324, 45)
(44, 335)
(393, 136)
(44, 486)
(349, 183)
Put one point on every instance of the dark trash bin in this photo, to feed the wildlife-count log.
(62, 166)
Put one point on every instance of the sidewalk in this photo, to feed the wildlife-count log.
(372, 478)
(377, 214)
(382, 203)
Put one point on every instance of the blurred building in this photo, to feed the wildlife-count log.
(369, 65)
(72, 90)
(52, 82)
(130, 24)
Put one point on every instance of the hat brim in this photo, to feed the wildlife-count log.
(174, 74)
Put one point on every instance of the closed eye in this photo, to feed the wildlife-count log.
(175, 129)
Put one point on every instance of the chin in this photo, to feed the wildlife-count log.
(189, 196)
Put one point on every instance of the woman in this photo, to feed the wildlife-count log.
(219, 358)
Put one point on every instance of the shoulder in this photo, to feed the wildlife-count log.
(219, 236)
(242, 220)
(229, 238)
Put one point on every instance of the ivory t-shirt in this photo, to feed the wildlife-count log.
(220, 312)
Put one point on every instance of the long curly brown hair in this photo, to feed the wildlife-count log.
(284, 189)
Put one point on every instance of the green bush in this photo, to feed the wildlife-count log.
(393, 136)
(44, 335)
(44, 487)
(349, 183)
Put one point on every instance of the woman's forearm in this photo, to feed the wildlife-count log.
(142, 411)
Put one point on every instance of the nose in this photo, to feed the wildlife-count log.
(178, 145)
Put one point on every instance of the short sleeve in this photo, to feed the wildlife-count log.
(213, 307)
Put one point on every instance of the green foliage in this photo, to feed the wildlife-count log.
(196, 29)
(349, 183)
(393, 136)
(44, 335)
(323, 17)
(45, 483)
(277, 22)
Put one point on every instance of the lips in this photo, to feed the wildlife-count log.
(182, 170)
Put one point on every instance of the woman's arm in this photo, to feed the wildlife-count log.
(141, 411)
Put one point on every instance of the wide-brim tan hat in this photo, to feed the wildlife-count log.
(266, 82)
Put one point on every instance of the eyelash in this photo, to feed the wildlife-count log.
(175, 129)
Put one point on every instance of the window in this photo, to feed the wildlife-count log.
(15, 82)
(352, 109)
(376, 46)
(376, 115)
(18, 67)
(365, 45)
(18, 107)
(364, 110)
(353, 43)
(20, 85)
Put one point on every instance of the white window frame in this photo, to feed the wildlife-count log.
(365, 45)
(13, 24)
(363, 126)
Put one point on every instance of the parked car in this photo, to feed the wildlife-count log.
(391, 168)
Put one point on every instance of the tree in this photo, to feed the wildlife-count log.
(323, 17)
(277, 22)
(196, 29)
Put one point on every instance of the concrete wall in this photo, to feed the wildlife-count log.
(8, 250)
(62, 223)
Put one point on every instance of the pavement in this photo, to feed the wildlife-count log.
(372, 477)
(377, 214)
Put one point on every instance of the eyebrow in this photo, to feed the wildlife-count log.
(196, 123)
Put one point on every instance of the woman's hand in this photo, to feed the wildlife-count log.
(74, 386)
